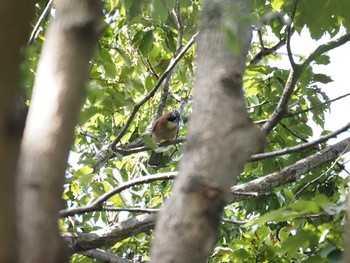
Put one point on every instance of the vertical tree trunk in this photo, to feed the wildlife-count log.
(346, 256)
(220, 139)
(14, 25)
(54, 109)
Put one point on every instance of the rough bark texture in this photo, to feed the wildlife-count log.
(14, 27)
(54, 109)
(107, 237)
(220, 140)
(346, 256)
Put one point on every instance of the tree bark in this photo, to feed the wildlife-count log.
(220, 139)
(14, 27)
(54, 108)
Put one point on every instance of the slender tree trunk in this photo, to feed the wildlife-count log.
(346, 256)
(14, 25)
(221, 138)
(54, 108)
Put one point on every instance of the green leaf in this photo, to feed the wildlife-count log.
(146, 43)
(159, 11)
(147, 139)
(84, 171)
(124, 57)
(293, 243)
(117, 200)
(276, 4)
(322, 78)
(323, 60)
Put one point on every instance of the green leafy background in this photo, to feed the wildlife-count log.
(139, 41)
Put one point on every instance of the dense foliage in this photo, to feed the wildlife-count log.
(301, 221)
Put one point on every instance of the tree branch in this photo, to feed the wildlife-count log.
(294, 75)
(104, 237)
(300, 147)
(288, 115)
(291, 173)
(281, 108)
(35, 31)
(165, 90)
(104, 154)
(140, 147)
(325, 48)
(104, 256)
(96, 205)
(267, 51)
(289, 36)
(107, 237)
(131, 209)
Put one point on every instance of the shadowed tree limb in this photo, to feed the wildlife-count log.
(104, 237)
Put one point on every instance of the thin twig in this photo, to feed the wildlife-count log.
(290, 173)
(104, 256)
(267, 51)
(288, 115)
(294, 75)
(35, 30)
(316, 106)
(104, 154)
(300, 147)
(171, 65)
(293, 132)
(302, 190)
(165, 89)
(289, 36)
(131, 209)
(281, 108)
(325, 48)
(97, 204)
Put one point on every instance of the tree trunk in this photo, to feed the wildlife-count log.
(14, 26)
(220, 139)
(54, 108)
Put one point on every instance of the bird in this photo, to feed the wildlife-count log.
(165, 128)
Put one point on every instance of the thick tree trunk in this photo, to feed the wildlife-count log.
(221, 138)
(14, 26)
(54, 109)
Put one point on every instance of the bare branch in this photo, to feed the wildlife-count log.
(131, 209)
(300, 147)
(165, 89)
(295, 134)
(104, 256)
(281, 108)
(96, 205)
(107, 237)
(316, 106)
(291, 173)
(325, 48)
(141, 147)
(36, 31)
(89, 134)
(288, 115)
(302, 190)
(294, 75)
(289, 35)
(267, 51)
